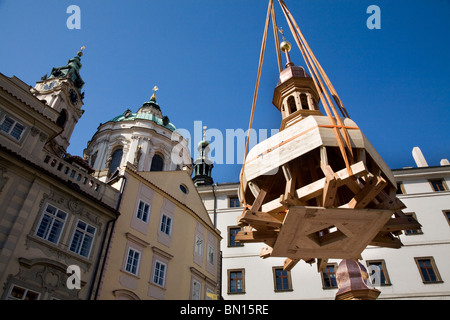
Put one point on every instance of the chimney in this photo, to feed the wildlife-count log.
(419, 158)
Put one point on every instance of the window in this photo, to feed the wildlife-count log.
(143, 211)
(291, 104)
(157, 163)
(51, 224)
(438, 185)
(329, 277)
(133, 257)
(234, 202)
(196, 290)
(12, 127)
(400, 188)
(428, 270)
(211, 254)
(82, 239)
(282, 279)
(166, 224)
(447, 215)
(304, 101)
(159, 274)
(116, 159)
(198, 245)
(413, 231)
(232, 232)
(236, 281)
(378, 273)
(19, 293)
(61, 121)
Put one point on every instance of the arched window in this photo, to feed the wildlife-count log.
(291, 104)
(157, 163)
(61, 121)
(304, 101)
(116, 159)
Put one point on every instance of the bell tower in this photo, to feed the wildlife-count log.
(61, 90)
(295, 94)
(203, 165)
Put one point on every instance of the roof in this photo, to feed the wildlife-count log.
(144, 116)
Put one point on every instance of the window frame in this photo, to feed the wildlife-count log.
(433, 267)
(442, 181)
(447, 215)
(84, 234)
(198, 238)
(387, 280)
(54, 217)
(149, 208)
(159, 276)
(242, 279)
(287, 276)
(231, 242)
(12, 127)
(324, 281)
(136, 273)
(26, 290)
(231, 201)
(166, 225)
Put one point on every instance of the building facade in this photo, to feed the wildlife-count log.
(418, 270)
(164, 245)
(55, 215)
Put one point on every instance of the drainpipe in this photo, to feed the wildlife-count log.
(122, 188)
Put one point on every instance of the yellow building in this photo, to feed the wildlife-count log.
(164, 245)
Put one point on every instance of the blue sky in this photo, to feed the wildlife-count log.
(203, 55)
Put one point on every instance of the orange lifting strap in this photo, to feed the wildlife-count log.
(317, 74)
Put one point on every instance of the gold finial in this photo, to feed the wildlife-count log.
(204, 132)
(285, 45)
(155, 88)
(80, 53)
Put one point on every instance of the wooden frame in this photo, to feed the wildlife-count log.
(289, 279)
(382, 263)
(433, 267)
(229, 271)
(335, 267)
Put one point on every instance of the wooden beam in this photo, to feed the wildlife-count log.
(368, 192)
(330, 186)
(401, 222)
(265, 252)
(258, 218)
(321, 264)
(289, 264)
(255, 236)
(386, 240)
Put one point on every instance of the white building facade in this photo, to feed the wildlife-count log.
(418, 270)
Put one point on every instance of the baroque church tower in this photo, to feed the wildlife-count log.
(61, 90)
(145, 138)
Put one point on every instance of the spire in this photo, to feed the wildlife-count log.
(203, 165)
(71, 71)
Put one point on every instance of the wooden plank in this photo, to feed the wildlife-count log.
(330, 187)
(321, 264)
(289, 264)
(266, 252)
(262, 194)
(327, 238)
(401, 222)
(368, 192)
(255, 236)
(258, 218)
(386, 240)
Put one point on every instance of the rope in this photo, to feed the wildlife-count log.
(255, 95)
